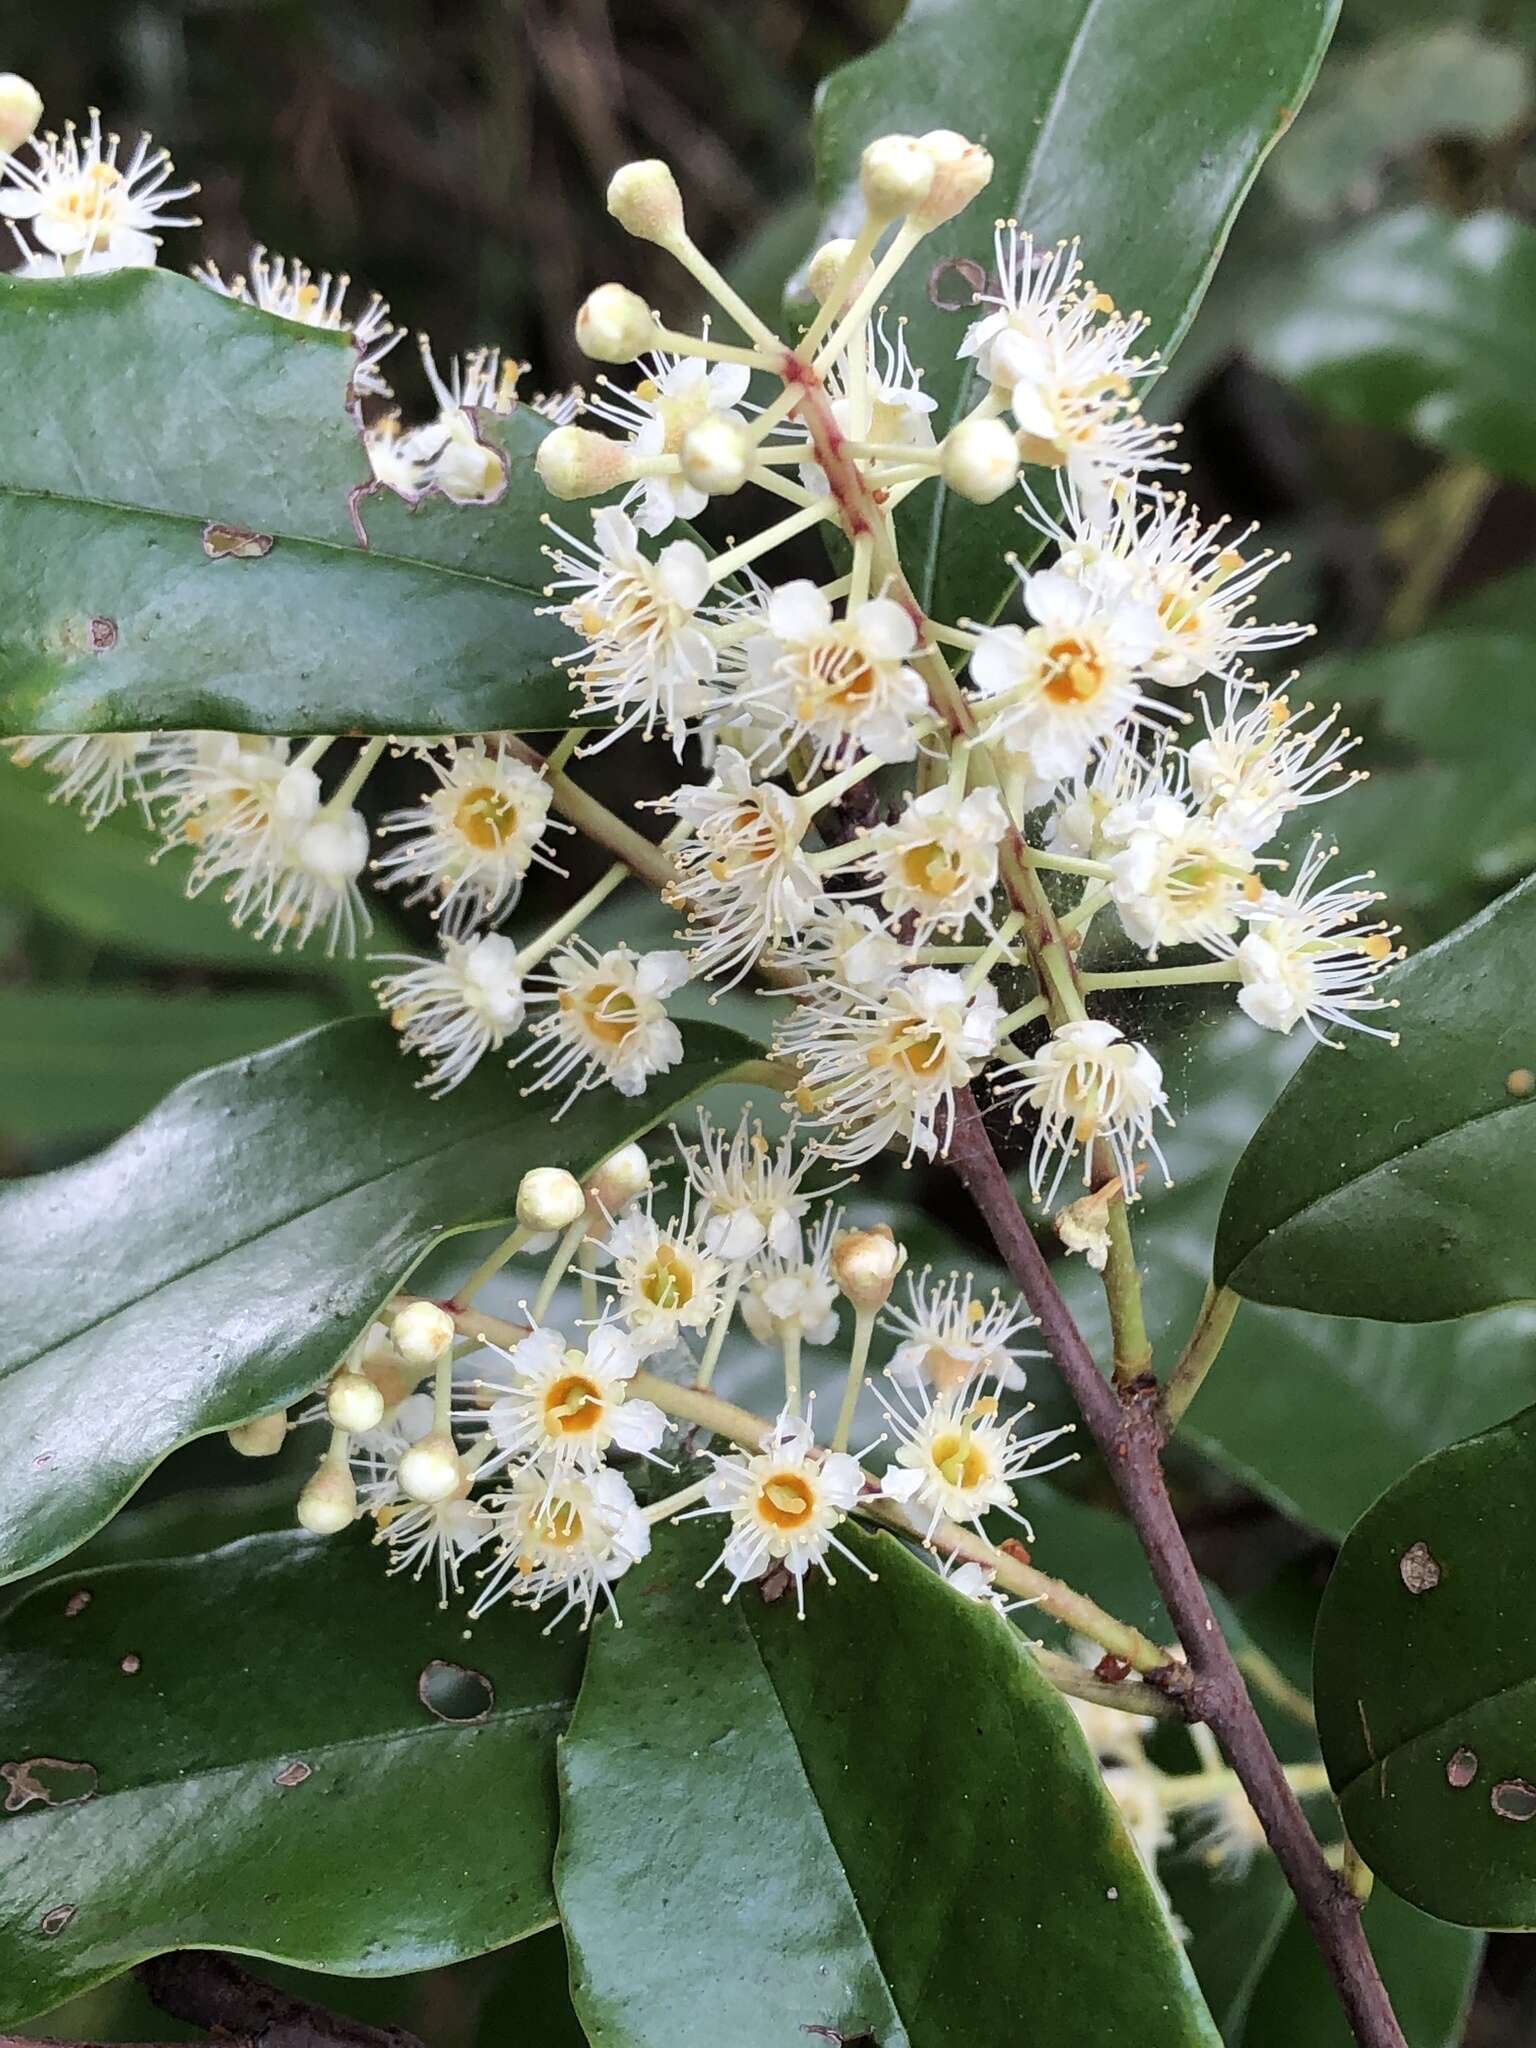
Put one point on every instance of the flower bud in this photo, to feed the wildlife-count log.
(429, 1470)
(643, 198)
(421, 1333)
(980, 460)
(716, 455)
(623, 1176)
(614, 325)
(573, 462)
(354, 1402)
(865, 1264)
(895, 174)
(261, 1438)
(328, 1503)
(21, 108)
(549, 1198)
(960, 170)
(825, 268)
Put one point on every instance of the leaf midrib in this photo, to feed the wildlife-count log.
(1441, 1722)
(385, 556)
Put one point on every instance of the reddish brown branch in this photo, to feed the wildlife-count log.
(1128, 1428)
(209, 1990)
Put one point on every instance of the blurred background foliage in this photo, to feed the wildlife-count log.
(1358, 379)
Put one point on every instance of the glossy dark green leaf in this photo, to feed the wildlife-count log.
(89, 1060)
(1377, 1396)
(879, 1821)
(1397, 1182)
(215, 1261)
(1413, 321)
(1456, 805)
(1137, 126)
(1426, 1681)
(114, 614)
(267, 1779)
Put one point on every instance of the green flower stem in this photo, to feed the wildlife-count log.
(492, 1264)
(1265, 1676)
(1165, 977)
(858, 1359)
(1122, 1291)
(1198, 1788)
(1217, 1313)
(559, 1259)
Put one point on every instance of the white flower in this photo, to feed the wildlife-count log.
(569, 1538)
(472, 840)
(1053, 693)
(227, 785)
(606, 1020)
(794, 1293)
(1089, 1084)
(838, 685)
(1083, 1226)
(785, 1504)
(938, 862)
(439, 1533)
(1196, 577)
(1307, 959)
(1179, 879)
(949, 1337)
(82, 203)
(973, 1580)
(646, 656)
(566, 1408)
(957, 1458)
(1067, 360)
(899, 408)
(98, 772)
(1136, 1789)
(454, 1010)
(883, 1066)
(401, 459)
(313, 885)
(742, 873)
(665, 1281)
(1094, 813)
(674, 396)
(460, 465)
(749, 1191)
(1256, 766)
(280, 285)
(849, 942)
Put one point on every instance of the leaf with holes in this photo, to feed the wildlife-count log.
(269, 1735)
(216, 1261)
(1425, 1670)
(120, 608)
(1398, 1182)
(1414, 321)
(738, 1810)
(1137, 126)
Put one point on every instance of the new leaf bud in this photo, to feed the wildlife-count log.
(895, 174)
(615, 325)
(328, 1503)
(260, 1438)
(865, 1264)
(960, 170)
(353, 1402)
(573, 462)
(549, 1198)
(716, 455)
(980, 460)
(421, 1333)
(643, 198)
(429, 1470)
(21, 108)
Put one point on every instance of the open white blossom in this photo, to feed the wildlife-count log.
(454, 1010)
(1089, 1085)
(749, 1190)
(938, 862)
(81, 202)
(957, 1458)
(665, 1281)
(1178, 879)
(1257, 764)
(281, 285)
(99, 772)
(785, 1503)
(847, 941)
(603, 1017)
(795, 1293)
(568, 1539)
(437, 1535)
(673, 396)
(949, 1337)
(1307, 959)
(567, 1407)
(470, 842)
(837, 685)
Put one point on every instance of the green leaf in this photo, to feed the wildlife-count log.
(879, 1820)
(1429, 1971)
(411, 1841)
(1425, 1669)
(216, 1261)
(1397, 1182)
(1413, 322)
(204, 411)
(1377, 1396)
(1136, 126)
(1456, 808)
(90, 1060)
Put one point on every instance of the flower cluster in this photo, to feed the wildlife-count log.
(521, 1449)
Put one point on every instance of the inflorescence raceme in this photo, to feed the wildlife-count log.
(910, 826)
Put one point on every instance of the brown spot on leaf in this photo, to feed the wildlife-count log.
(103, 634)
(951, 274)
(454, 1693)
(55, 1920)
(1521, 1081)
(293, 1774)
(47, 1781)
(226, 543)
(1461, 1768)
(1513, 1799)
(131, 1664)
(1419, 1568)
(77, 1603)
(841, 2040)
